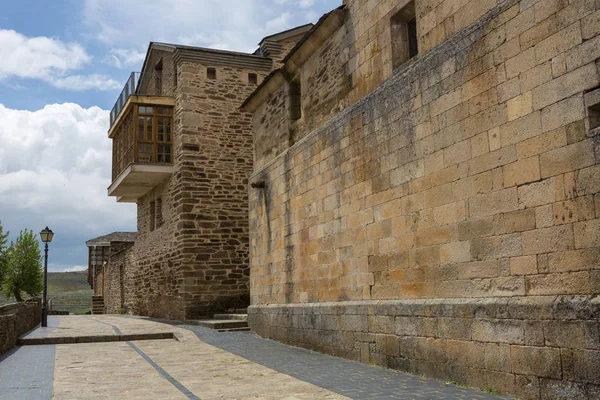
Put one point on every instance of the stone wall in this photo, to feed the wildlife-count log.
(324, 86)
(153, 286)
(541, 347)
(470, 173)
(214, 156)
(16, 320)
(114, 290)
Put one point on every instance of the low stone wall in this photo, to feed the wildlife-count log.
(17, 319)
(536, 347)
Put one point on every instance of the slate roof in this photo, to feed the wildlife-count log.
(112, 237)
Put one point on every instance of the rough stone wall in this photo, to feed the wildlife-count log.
(471, 173)
(215, 160)
(16, 320)
(115, 283)
(324, 84)
(153, 286)
(147, 85)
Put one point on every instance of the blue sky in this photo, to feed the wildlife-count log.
(63, 63)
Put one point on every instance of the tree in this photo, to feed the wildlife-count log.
(23, 267)
(3, 250)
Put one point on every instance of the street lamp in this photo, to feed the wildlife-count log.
(46, 236)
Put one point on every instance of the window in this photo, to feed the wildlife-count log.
(152, 215)
(211, 73)
(592, 101)
(295, 96)
(252, 79)
(404, 35)
(154, 134)
(158, 78)
(158, 213)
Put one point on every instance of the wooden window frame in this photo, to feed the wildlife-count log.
(155, 143)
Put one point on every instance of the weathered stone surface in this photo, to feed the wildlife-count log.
(467, 173)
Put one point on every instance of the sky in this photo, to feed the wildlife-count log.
(62, 65)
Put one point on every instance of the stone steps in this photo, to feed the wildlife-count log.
(97, 305)
(239, 317)
(33, 341)
(219, 324)
(236, 321)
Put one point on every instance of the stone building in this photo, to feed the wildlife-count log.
(426, 192)
(182, 151)
(106, 270)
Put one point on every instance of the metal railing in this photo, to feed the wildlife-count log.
(155, 83)
(129, 89)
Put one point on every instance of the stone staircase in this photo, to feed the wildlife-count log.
(236, 321)
(97, 305)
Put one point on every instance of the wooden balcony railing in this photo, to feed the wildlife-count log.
(144, 135)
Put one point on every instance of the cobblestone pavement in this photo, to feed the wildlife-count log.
(200, 364)
(345, 377)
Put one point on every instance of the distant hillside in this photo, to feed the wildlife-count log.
(69, 291)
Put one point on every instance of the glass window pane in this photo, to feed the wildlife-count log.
(149, 129)
(140, 128)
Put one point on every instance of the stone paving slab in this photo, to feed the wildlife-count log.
(27, 373)
(345, 377)
(201, 364)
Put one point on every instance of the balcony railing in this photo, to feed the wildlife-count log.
(129, 89)
(144, 135)
(156, 83)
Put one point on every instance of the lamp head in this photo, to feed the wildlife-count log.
(46, 235)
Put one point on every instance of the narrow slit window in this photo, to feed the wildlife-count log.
(404, 35)
(295, 97)
(158, 212)
(152, 215)
(252, 79)
(211, 73)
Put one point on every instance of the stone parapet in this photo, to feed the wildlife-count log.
(17, 319)
(531, 347)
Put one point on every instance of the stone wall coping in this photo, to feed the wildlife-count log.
(528, 307)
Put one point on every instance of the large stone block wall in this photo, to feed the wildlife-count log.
(369, 46)
(534, 348)
(471, 173)
(16, 320)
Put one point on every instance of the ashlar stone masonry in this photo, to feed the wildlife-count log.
(432, 201)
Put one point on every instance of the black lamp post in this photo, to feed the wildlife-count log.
(46, 236)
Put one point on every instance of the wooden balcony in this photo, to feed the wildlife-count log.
(142, 137)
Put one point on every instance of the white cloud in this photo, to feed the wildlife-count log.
(122, 58)
(47, 59)
(85, 82)
(76, 268)
(228, 24)
(55, 166)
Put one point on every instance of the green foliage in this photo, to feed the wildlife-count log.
(23, 272)
(3, 248)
